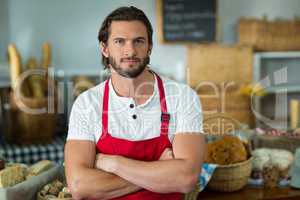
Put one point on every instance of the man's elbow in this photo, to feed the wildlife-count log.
(189, 183)
(78, 191)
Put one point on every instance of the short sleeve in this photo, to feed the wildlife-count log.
(79, 120)
(189, 116)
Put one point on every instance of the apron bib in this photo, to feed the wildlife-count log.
(144, 150)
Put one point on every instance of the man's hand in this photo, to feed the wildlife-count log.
(106, 162)
(167, 154)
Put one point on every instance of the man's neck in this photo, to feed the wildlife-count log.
(139, 88)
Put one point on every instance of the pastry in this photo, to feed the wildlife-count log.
(281, 159)
(270, 175)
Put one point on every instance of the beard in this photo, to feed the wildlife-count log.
(132, 72)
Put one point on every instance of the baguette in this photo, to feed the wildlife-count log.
(14, 60)
(46, 55)
(36, 81)
(15, 63)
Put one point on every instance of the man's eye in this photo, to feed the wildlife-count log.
(139, 41)
(119, 41)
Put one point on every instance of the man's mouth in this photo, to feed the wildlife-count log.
(130, 60)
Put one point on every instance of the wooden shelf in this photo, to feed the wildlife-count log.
(251, 193)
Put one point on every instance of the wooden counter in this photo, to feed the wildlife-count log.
(252, 193)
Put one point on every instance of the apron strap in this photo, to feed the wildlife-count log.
(165, 116)
(105, 109)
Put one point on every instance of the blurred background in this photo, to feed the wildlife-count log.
(241, 57)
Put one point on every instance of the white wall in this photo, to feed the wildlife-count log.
(72, 26)
(4, 29)
(231, 10)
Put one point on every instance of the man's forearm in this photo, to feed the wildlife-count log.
(97, 184)
(158, 176)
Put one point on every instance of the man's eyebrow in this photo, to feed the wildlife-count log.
(122, 38)
(118, 38)
(140, 38)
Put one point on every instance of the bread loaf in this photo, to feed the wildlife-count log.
(39, 167)
(12, 175)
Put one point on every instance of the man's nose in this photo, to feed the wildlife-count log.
(130, 49)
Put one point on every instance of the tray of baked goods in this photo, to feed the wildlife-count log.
(20, 181)
(55, 190)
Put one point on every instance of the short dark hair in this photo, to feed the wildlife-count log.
(123, 14)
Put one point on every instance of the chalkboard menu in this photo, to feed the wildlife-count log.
(187, 20)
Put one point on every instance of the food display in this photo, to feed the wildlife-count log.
(270, 175)
(271, 165)
(39, 168)
(225, 151)
(54, 190)
(14, 173)
(276, 157)
(233, 163)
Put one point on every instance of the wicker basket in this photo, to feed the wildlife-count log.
(40, 197)
(229, 178)
(30, 128)
(266, 35)
(193, 195)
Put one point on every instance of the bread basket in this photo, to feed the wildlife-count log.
(229, 178)
(40, 197)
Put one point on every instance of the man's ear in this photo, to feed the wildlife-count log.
(104, 49)
(149, 50)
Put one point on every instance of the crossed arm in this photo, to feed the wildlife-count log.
(110, 176)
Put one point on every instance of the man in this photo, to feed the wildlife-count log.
(137, 135)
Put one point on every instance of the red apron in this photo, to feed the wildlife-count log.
(145, 150)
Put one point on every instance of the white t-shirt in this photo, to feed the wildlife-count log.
(135, 122)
